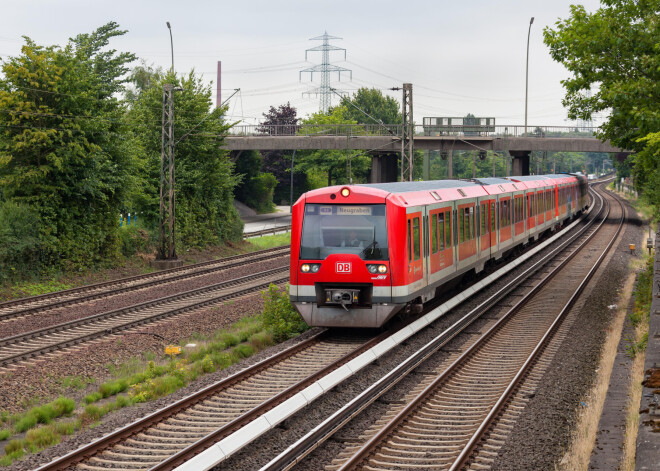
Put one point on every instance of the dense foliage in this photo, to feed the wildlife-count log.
(65, 161)
(278, 162)
(256, 187)
(204, 173)
(78, 147)
(613, 55)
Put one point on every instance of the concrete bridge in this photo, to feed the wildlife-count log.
(382, 142)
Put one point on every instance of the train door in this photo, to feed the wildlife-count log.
(531, 210)
(439, 242)
(493, 226)
(415, 247)
(540, 208)
(485, 232)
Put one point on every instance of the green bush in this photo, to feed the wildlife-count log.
(21, 251)
(279, 315)
(259, 192)
(133, 240)
(5, 434)
(93, 397)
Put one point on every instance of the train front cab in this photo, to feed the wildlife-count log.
(340, 265)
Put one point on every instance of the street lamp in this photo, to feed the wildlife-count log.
(172, 44)
(526, 71)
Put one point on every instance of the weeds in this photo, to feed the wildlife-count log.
(279, 315)
(5, 434)
(643, 295)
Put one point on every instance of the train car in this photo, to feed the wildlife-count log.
(360, 254)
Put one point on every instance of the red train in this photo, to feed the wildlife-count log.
(362, 253)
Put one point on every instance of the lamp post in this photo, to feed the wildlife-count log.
(526, 71)
(172, 44)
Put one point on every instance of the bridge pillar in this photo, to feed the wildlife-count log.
(520, 164)
(383, 168)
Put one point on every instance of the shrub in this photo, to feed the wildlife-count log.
(133, 240)
(25, 423)
(63, 406)
(42, 437)
(4, 434)
(279, 315)
(93, 397)
(243, 351)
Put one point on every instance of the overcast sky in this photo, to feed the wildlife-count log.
(461, 56)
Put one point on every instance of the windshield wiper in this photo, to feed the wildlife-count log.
(371, 246)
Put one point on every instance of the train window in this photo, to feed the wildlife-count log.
(409, 241)
(482, 217)
(461, 226)
(493, 218)
(441, 231)
(434, 233)
(447, 229)
(415, 230)
(344, 229)
(473, 231)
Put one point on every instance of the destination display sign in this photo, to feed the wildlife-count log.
(354, 210)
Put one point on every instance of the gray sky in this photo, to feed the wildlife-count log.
(461, 56)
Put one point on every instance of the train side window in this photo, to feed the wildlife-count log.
(482, 219)
(493, 218)
(473, 229)
(441, 231)
(434, 233)
(461, 227)
(447, 229)
(409, 241)
(415, 230)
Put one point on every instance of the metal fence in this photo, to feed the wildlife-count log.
(394, 130)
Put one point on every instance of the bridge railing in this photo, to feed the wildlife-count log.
(394, 130)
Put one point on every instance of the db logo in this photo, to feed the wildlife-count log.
(343, 267)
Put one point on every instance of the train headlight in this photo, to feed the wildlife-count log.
(372, 269)
(310, 267)
(382, 269)
(345, 192)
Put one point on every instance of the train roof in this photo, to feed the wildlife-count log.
(407, 187)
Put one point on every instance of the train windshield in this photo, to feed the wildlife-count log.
(333, 228)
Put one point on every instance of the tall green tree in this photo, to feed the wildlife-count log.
(63, 151)
(370, 106)
(284, 118)
(613, 55)
(339, 166)
(205, 178)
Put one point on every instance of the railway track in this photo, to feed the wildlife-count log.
(453, 410)
(133, 448)
(34, 344)
(13, 309)
(173, 434)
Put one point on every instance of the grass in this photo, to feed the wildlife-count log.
(270, 241)
(76, 382)
(142, 378)
(35, 288)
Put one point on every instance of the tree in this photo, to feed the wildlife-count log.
(277, 162)
(370, 106)
(340, 166)
(613, 54)
(63, 151)
(256, 188)
(205, 179)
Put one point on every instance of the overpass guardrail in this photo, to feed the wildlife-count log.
(394, 130)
